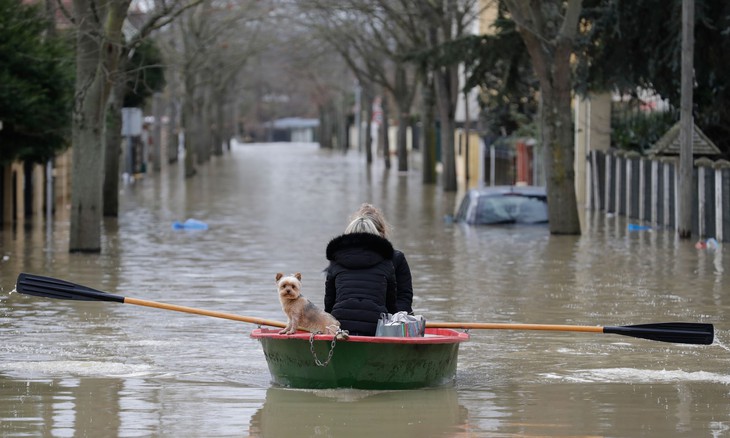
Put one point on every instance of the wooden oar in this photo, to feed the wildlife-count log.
(54, 288)
(677, 332)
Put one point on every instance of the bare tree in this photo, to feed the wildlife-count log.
(113, 140)
(549, 28)
(206, 51)
(100, 46)
(374, 48)
(446, 21)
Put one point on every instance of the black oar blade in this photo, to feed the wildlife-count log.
(677, 332)
(48, 287)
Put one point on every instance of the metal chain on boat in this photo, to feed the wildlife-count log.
(329, 354)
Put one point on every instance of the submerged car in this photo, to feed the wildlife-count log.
(503, 205)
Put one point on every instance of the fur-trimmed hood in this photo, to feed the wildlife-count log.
(360, 281)
(358, 249)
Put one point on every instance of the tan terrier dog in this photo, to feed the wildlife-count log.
(302, 313)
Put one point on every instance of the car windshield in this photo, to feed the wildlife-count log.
(511, 209)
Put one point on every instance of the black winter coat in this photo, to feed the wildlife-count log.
(404, 282)
(360, 282)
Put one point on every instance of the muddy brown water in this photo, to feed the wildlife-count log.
(71, 368)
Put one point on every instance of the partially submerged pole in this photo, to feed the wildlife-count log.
(684, 188)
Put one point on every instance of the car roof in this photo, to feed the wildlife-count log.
(502, 190)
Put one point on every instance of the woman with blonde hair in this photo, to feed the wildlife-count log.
(403, 277)
(360, 281)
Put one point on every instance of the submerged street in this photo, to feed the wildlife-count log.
(76, 368)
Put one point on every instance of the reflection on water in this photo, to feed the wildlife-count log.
(355, 413)
(130, 406)
(109, 369)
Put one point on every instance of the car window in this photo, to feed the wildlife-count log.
(493, 210)
(532, 210)
(510, 209)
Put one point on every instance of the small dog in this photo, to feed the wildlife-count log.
(302, 313)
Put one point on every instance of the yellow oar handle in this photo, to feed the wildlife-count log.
(499, 326)
(223, 315)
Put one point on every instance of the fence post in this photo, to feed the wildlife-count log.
(726, 203)
(666, 170)
(701, 202)
(657, 191)
(618, 185)
(595, 181)
(629, 182)
(607, 191)
(492, 166)
(675, 186)
(654, 192)
(718, 205)
(642, 190)
(722, 198)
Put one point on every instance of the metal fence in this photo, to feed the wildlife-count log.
(644, 189)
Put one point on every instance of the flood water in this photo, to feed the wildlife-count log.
(102, 369)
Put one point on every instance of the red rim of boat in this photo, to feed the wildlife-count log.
(433, 336)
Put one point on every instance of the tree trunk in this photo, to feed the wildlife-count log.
(113, 150)
(550, 53)
(172, 131)
(444, 96)
(684, 198)
(368, 104)
(173, 94)
(98, 45)
(325, 126)
(219, 126)
(445, 81)
(428, 136)
(202, 126)
(87, 172)
(208, 124)
(404, 104)
(189, 131)
(403, 119)
(157, 132)
(384, 128)
(557, 141)
(343, 128)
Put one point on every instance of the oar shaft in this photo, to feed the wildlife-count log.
(213, 313)
(500, 326)
(676, 332)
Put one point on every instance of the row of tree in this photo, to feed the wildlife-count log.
(397, 47)
(226, 58)
(528, 69)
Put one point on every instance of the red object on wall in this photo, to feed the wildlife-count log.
(524, 163)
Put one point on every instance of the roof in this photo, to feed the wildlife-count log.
(669, 143)
(294, 123)
(503, 190)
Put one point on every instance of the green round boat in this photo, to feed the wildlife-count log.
(362, 362)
